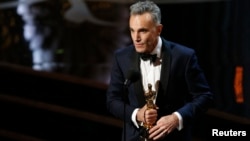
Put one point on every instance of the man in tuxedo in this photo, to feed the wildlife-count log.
(173, 74)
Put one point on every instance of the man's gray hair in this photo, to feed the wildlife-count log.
(146, 6)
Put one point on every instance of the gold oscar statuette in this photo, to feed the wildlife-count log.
(149, 97)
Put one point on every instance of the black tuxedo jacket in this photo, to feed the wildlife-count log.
(182, 88)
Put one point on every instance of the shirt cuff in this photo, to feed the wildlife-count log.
(133, 118)
(180, 120)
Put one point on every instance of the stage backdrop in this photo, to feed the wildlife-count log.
(78, 37)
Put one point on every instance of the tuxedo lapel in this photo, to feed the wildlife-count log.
(138, 88)
(165, 71)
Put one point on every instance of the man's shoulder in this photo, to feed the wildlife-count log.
(175, 46)
(125, 50)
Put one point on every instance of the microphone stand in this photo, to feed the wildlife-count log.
(124, 108)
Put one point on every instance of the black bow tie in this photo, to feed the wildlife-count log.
(151, 57)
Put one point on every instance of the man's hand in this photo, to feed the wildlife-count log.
(164, 126)
(148, 116)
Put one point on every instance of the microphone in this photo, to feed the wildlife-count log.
(131, 76)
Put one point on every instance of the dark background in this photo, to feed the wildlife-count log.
(218, 30)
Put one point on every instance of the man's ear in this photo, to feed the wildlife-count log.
(159, 29)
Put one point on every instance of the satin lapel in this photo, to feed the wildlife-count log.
(138, 84)
(165, 71)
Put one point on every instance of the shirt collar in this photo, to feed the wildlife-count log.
(157, 49)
